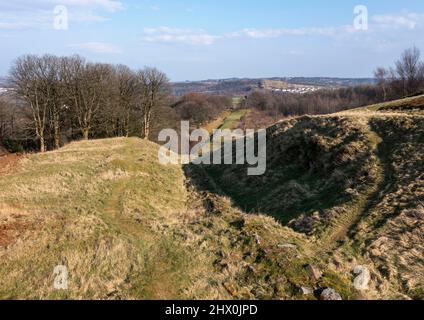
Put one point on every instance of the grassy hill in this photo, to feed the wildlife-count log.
(128, 228)
(353, 183)
(340, 191)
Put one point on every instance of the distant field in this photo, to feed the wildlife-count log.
(216, 123)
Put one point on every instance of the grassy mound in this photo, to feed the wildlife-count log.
(128, 228)
(95, 207)
(411, 104)
(353, 183)
(313, 164)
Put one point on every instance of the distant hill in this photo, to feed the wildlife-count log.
(243, 86)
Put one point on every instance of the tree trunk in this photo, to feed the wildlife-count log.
(42, 144)
(85, 133)
(146, 131)
(146, 126)
(127, 125)
(56, 134)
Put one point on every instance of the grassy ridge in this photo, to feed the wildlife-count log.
(128, 228)
(352, 182)
(340, 191)
(93, 207)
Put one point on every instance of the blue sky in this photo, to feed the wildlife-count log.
(202, 39)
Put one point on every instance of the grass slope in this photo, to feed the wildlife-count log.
(340, 191)
(129, 228)
(94, 207)
(353, 183)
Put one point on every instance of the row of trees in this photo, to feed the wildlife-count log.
(201, 108)
(320, 102)
(70, 97)
(405, 78)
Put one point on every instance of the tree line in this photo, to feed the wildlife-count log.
(199, 108)
(70, 98)
(324, 101)
(404, 79)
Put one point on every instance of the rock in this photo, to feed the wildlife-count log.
(257, 238)
(287, 246)
(330, 294)
(306, 291)
(316, 216)
(363, 278)
(314, 272)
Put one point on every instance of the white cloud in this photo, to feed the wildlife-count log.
(378, 24)
(408, 20)
(202, 37)
(108, 5)
(97, 47)
(21, 14)
(276, 33)
(176, 35)
(12, 25)
(31, 5)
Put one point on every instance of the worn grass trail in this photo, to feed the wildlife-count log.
(340, 231)
(99, 208)
(159, 266)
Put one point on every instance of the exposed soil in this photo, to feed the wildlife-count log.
(11, 230)
(8, 162)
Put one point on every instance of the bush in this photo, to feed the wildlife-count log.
(13, 146)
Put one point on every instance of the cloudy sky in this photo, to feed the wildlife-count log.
(202, 39)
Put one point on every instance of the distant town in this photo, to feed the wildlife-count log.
(297, 85)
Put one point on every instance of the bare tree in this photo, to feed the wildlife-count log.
(29, 78)
(55, 83)
(382, 74)
(410, 71)
(67, 95)
(153, 88)
(86, 90)
(127, 88)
